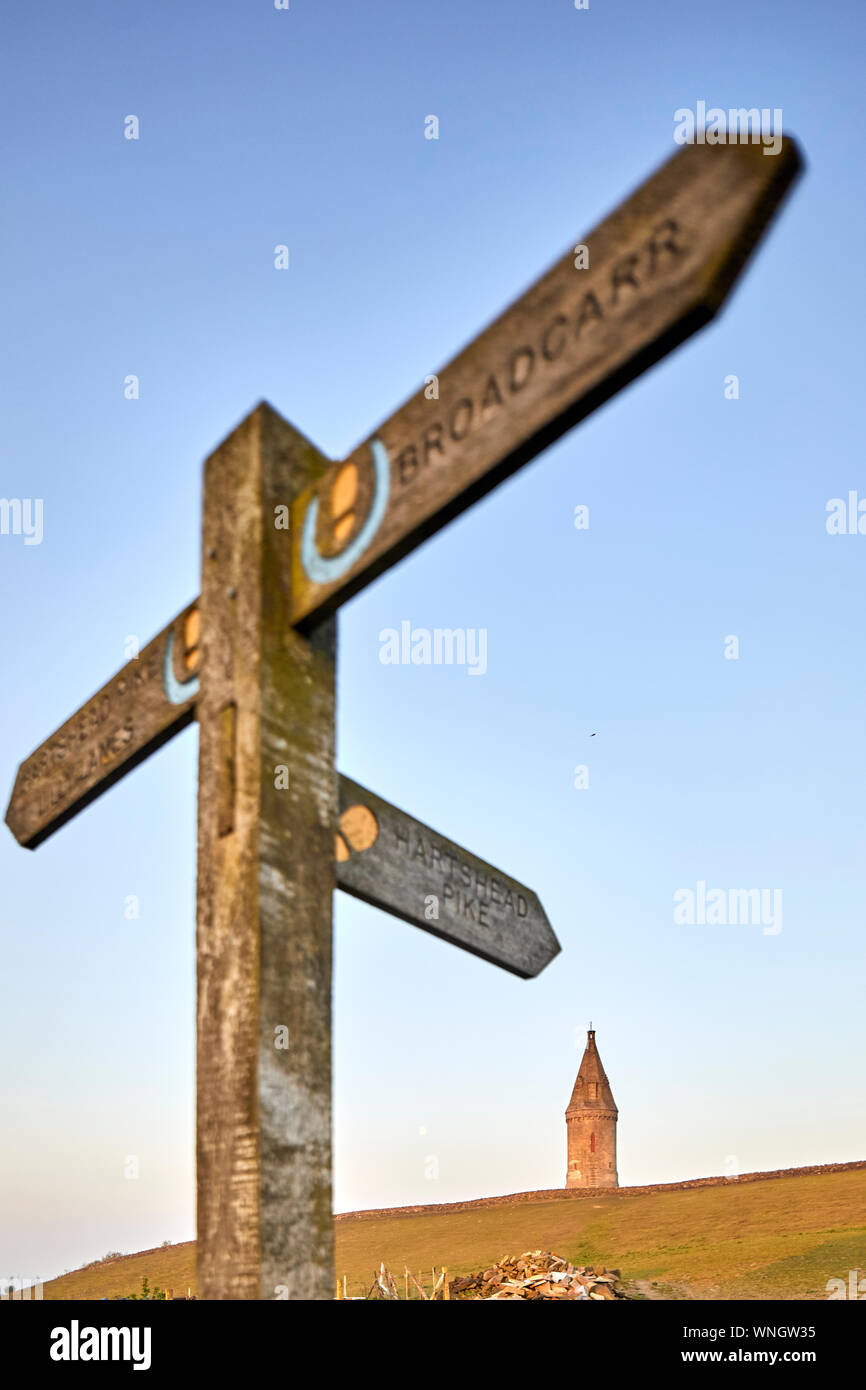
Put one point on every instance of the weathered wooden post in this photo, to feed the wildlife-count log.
(266, 812)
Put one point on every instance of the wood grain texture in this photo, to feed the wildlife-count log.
(412, 872)
(265, 882)
(660, 267)
(120, 726)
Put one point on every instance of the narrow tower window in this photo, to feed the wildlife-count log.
(592, 1143)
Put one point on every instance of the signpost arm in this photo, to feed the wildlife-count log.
(266, 814)
(392, 861)
(661, 266)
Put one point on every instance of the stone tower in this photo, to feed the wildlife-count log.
(590, 1121)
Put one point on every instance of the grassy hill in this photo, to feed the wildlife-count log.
(776, 1238)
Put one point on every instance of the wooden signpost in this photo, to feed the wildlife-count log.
(287, 537)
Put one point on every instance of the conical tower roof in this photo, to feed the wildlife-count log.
(592, 1088)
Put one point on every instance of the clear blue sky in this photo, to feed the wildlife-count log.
(155, 257)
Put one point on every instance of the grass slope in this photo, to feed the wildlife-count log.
(779, 1238)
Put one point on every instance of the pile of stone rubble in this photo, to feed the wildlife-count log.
(539, 1274)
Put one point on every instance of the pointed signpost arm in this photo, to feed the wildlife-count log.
(149, 701)
(392, 861)
(266, 814)
(660, 266)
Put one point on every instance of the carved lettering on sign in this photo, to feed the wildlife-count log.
(389, 859)
(612, 292)
(469, 892)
